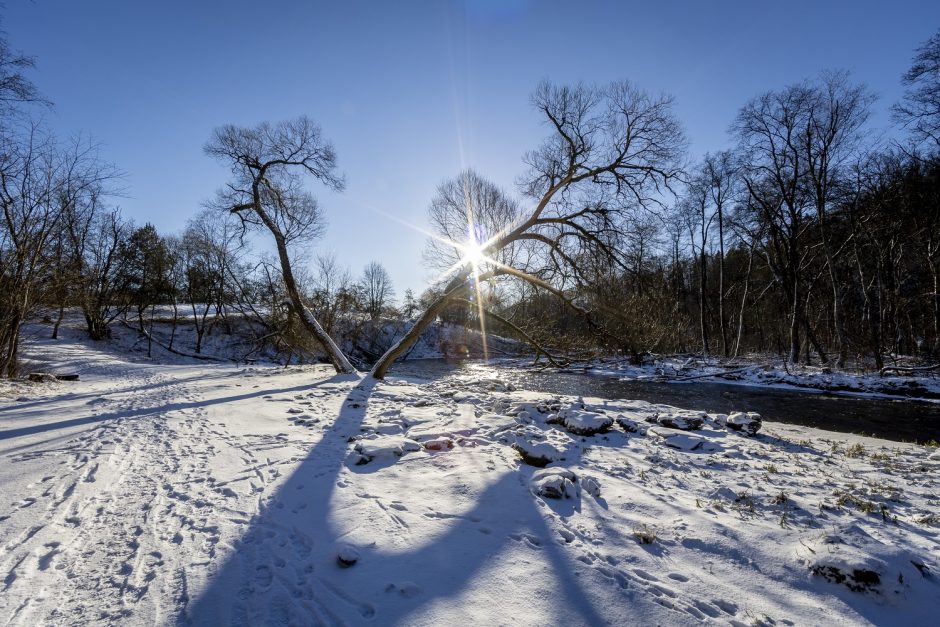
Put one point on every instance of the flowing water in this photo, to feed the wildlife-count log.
(901, 420)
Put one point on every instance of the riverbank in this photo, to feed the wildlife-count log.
(892, 418)
(201, 493)
(765, 371)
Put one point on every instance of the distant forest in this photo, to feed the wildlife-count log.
(811, 238)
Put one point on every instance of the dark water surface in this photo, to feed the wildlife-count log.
(900, 420)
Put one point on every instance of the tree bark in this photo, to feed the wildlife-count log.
(456, 287)
(309, 322)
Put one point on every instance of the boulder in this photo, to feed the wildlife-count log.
(384, 448)
(555, 483)
(628, 425)
(538, 454)
(591, 485)
(678, 439)
(584, 422)
(347, 556)
(680, 419)
(745, 422)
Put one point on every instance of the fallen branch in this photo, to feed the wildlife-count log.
(150, 337)
(539, 349)
(909, 368)
(713, 374)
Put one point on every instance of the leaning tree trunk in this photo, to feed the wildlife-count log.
(307, 319)
(457, 286)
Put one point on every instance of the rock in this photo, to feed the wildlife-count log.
(680, 419)
(592, 486)
(853, 558)
(855, 579)
(746, 422)
(584, 422)
(678, 439)
(384, 448)
(347, 556)
(538, 454)
(630, 426)
(540, 407)
(523, 417)
(41, 377)
(495, 385)
(67, 377)
(555, 483)
(438, 444)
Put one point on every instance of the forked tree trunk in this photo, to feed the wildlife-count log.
(456, 287)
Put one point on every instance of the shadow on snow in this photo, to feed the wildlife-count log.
(284, 569)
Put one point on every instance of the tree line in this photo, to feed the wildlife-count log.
(808, 238)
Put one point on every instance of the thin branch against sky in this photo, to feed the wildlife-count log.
(412, 93)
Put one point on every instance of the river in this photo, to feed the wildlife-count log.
(899, 420)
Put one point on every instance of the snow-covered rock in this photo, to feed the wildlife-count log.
(584, 422)
(555, 483)
(591, 485)
(678, 439)
(746, 422)
(852, 558)
(628, 425)
(384, 448)
(534, 408)
(438, 444)
(538, 454)
(347, 556)
(680, 419)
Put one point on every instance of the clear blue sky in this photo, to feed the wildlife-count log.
(411, 92)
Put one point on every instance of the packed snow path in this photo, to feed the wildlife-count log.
(219, 495)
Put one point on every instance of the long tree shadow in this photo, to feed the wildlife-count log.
(139, 412)
(18, 408)
(284, 569)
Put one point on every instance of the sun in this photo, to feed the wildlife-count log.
(473, 253)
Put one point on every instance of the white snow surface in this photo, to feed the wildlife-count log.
(217, 494)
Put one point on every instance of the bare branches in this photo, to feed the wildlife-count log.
(611, 152)
(269, 164)
(920, 108)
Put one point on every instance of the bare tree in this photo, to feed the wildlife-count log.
(611, 151)
(103, 283)
(769, 129)
(15, 87)
(697, 214)
(208, 250)
(721, 176)
(333, 291)
(268, 164)
(376, 288)
(920, 108)
(837, 112)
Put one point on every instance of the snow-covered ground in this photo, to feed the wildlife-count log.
(218, 494)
